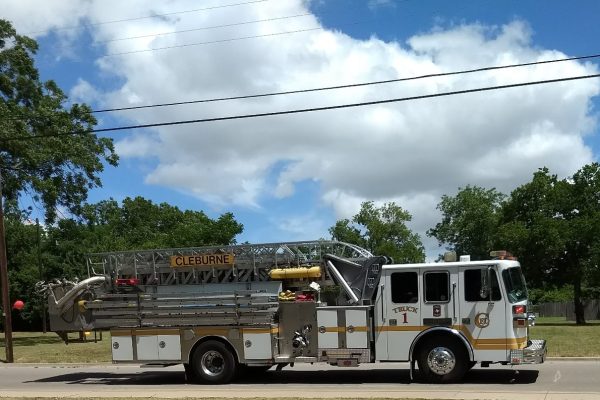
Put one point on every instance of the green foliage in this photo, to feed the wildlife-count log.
(551, 224)
(469, 221)
(382, 231)
(105, 226)
(551, 294)
(560, 229)
(57, 170)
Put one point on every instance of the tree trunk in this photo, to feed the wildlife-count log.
(579, 309)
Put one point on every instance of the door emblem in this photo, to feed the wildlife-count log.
(482, 320)
(437, 310)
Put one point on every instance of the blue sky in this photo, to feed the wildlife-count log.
(290, 178)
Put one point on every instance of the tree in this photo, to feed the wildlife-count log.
(532, 228)
(556, 225)
(21, 243)
(105, 226)
(135, 224)
(46, 147)
(469, 221)
(382, 231)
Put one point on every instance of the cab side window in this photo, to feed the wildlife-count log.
(437, 287)
(405, 287)
(473, 285)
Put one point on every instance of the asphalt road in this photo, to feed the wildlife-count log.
(552, 380)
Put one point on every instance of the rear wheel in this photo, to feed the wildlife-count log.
(213, 363)
(442, 360)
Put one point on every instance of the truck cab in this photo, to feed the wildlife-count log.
(446, 317)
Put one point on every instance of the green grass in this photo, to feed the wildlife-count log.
(36, 347)
(565, 339)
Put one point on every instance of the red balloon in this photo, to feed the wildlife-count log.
(19, 305)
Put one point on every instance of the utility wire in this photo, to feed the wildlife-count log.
(211, 42)
(149, 16)
(304, 110)
(352, 85)
(206, 28)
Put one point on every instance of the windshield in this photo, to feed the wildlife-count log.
(515, 284)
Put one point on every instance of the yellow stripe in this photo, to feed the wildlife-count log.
(492, 344)
(403, 328)
(341, 329)
(144, 332)
(260, 330)
(211, 331)
(479, 344)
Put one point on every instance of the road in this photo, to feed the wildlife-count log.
(552, 380)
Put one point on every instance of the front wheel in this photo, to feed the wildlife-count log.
(213, 363)
(442, 360)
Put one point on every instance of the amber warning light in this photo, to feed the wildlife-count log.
(202, 260)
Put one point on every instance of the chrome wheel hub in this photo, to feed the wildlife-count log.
(212, 363)
(441, 360)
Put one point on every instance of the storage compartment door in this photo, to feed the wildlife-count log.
(122, 348)
(147, 348)
(356, 329)
(169, 347)
(328, 329)
(258, 345)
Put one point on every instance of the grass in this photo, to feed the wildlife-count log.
(565, 339)
(36, 347)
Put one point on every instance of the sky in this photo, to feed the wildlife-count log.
(290, 177)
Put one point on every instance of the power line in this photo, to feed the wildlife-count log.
(212, 42)
(352, 85)
(208, 27)
(313, 109)
(149, 16)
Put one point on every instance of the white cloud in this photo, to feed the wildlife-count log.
(301, 227)
(410, 151)
(34, 17)
(84, 92)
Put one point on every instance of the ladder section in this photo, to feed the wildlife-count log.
(138, 310)
(217, 264)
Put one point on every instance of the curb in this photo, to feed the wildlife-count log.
(109, 364)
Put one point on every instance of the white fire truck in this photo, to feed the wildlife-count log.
(224, 310)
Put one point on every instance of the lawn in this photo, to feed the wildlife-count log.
(565, 339)
(35, 347)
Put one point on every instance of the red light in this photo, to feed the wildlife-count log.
(521, 309)
(127, 282)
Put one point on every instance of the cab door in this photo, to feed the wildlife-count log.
(439, 306)
(398, 313)
(483, 314)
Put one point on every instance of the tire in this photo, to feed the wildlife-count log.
(189, 373)
(213, 363)
(442, 360)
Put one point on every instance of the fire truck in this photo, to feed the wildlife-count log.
(222, 311)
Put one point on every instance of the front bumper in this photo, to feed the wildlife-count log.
(535, 353)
